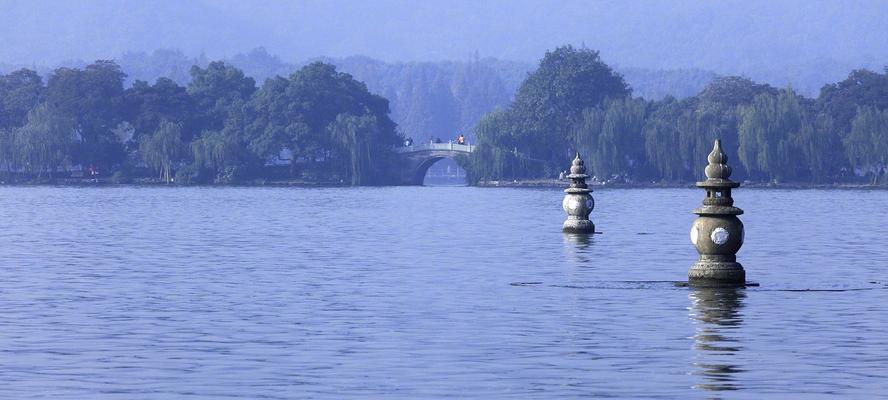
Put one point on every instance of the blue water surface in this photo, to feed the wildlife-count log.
(433, 292)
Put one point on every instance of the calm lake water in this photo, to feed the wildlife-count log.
(431, 292)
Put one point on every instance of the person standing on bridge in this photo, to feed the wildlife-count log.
(460, 139)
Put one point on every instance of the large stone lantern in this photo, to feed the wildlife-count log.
(717, 233)
(578, 203)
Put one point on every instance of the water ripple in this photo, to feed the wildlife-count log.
(281, 293)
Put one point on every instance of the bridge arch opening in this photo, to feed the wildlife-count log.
(417, 160)
(440, 171)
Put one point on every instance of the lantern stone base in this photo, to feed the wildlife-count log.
(573, 225)
(707, 273)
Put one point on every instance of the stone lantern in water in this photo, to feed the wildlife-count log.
(578, 203)
(717, 233)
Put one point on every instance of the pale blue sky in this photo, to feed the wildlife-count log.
(725, 36)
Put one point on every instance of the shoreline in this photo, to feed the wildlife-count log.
(77, 183)
(561, 184)
(526, 184)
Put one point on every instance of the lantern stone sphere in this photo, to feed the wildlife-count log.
(717, 233)
(578, 203)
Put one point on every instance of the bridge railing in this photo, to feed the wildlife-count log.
(468, 148)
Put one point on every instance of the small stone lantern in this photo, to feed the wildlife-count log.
(717, 233)
(578, 203)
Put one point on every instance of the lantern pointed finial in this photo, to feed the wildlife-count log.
(578, 167)
(718, 163)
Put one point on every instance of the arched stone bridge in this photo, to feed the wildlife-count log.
(416, 159)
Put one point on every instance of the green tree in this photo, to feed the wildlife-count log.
(20, 92)
(217, 150)
(354, 136)
(295, 114)
(496, 155)
(867, 144)
(734, 91)
(611, 136)
(91, 98)
(217, 91)
(552, 99)
(663, 134)
(164, 149)
(768, 128)
(820, 146)
(678, 134)
(147, 106)
(44, 144)
(862, 88)
(567, 82)
(8, 152)
(276, 123)
(540, 126)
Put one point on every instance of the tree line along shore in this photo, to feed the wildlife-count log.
(575, 102)
(322, 126)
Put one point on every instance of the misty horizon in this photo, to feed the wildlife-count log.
(758, 39)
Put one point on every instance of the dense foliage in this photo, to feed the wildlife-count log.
(218, 128)
(427, 99)
(574, 102)
(209, 121)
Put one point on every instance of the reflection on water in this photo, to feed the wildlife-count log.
(717, 314)
(577, 246)
(581, 240)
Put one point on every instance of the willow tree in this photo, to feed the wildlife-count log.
(8, 158)
(44, 144)
(163, 149)
(353, 136)
(767, 132)
(821, 147)
(611, 136)
(214, 150)
(867, 144)
(663, 133)
(501, 151)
